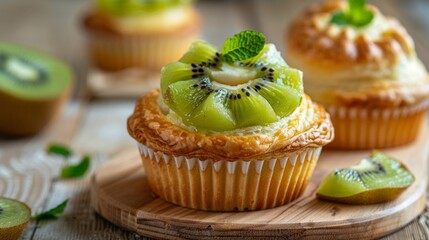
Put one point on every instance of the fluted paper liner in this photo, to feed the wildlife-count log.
(228, 185)
(113, 52)
(365, 128)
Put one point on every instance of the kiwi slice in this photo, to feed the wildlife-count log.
(32, 87)
(214, 95)
(378, 178)
(14, 216)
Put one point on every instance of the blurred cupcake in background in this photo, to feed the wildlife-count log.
(145, 34)
(362, 66)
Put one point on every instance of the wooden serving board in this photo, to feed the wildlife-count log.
(120, 193)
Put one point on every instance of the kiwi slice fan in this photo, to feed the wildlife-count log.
(378, 178)
(245, 84)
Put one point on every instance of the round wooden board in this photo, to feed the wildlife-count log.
(120, 193)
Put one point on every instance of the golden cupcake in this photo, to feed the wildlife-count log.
(363, 68)
(229, 130)
(145, 34)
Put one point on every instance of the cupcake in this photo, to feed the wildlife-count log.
(145, 34)
(229, 130)
(363, 68)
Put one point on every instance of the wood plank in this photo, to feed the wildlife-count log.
(121, 195)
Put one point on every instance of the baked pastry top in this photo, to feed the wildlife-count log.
(308, 126)
(372, 66)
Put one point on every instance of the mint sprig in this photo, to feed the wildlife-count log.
(242, 46)
(78, 170)
(59, 149)
(51, 213)
(357, 14)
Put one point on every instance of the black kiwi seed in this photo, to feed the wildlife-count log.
(239, 96)
(194, 65)
(248, 87)
(194, 75)
(218, 54)
(230, 96)
(248, 94)
(257, 87)
(243, 90)
(264, 68)
(235, 97)
(194, 70)
(195, 85)
(200, 70)
(271, 70)
(209, 91)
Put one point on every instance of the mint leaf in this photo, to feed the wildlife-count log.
(51, 213)
(358, 14)
(242, 46)
(75, 171)
(59, 149)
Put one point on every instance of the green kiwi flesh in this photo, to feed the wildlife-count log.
(28, 74)
(212, 95)
(32, 88)
(378, 178)
(14, 216)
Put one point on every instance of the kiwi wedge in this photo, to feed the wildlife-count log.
(213, 95)
(33, 86)
(14, 216)
(376, 179)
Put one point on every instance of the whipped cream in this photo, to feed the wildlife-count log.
(153, 22)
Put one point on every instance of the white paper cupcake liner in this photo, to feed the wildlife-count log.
(228, 185)
(362, 128)
(114, 52)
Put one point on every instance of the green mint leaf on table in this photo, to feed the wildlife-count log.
(52, 213)
(358, 15)
(242, 46)
(59, 149)
(78, 170)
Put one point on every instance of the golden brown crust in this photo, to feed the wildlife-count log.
(149, 126)
(380, 97)
(320, 46)
(97, 22)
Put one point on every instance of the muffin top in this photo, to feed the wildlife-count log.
(354, 55)
(133, 17)
(242, 101)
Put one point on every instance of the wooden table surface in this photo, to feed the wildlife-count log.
(98, 126)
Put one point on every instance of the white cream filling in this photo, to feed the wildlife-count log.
(363, 77)
(374, 31)
(150, 22)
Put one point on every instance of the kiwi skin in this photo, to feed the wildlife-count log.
(20, 117)
(368, 197)
(13, 233)
(380, 195)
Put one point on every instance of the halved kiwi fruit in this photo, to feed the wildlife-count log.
(376, 179)
(214, 95)
(32, 88)
(14, 216)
